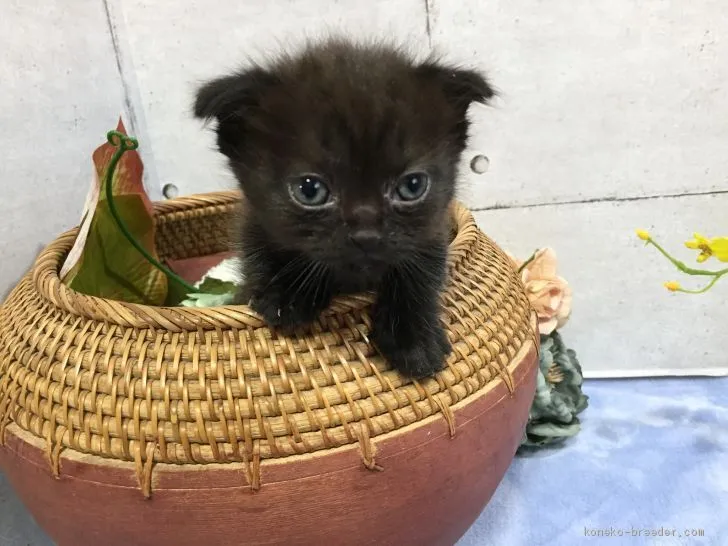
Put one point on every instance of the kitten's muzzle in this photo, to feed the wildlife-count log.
(366, 239)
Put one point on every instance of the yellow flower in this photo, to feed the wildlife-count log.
(717, 246)
(672, 286)
(642, 234)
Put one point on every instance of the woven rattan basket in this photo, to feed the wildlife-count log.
(126, 424)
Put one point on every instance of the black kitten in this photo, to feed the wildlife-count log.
(347, 157)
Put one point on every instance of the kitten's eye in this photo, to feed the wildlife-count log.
(412, 187)
(309, 191)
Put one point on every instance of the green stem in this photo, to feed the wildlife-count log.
(684, 268)
(701, 290)
(524, 264)
(126, 143)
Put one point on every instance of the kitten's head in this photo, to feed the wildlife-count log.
(346, 153)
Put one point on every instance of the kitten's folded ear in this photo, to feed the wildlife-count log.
(461, 86)
(230, 100)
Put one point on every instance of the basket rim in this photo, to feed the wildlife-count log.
(45, 277)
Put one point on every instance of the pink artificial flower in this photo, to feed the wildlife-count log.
(549, 294)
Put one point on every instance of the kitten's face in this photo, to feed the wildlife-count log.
(346, 154)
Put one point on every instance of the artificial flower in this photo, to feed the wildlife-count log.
(717, 246)
(549, 294)
(559, 398)
(672, 286)
(642, 234)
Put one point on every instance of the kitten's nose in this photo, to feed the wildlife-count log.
(365, 238)
(363, 222)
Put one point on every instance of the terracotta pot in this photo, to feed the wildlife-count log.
(431, 489)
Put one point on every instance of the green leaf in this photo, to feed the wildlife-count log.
(555, 430)
(208, 300)
(102, 262)
(554, 410)
(212, 292)
(110, 267)
(211, 285)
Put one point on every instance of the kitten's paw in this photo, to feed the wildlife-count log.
(276, 311)
(415, 354)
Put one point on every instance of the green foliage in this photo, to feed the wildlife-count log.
(110, 267)
(114, 255)
(559, 397)
(211, 292)
(118, 216)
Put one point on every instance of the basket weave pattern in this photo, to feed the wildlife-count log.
(186, 385)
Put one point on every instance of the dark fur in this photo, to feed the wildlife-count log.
(361, 116)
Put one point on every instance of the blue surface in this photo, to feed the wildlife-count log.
(652, 454)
